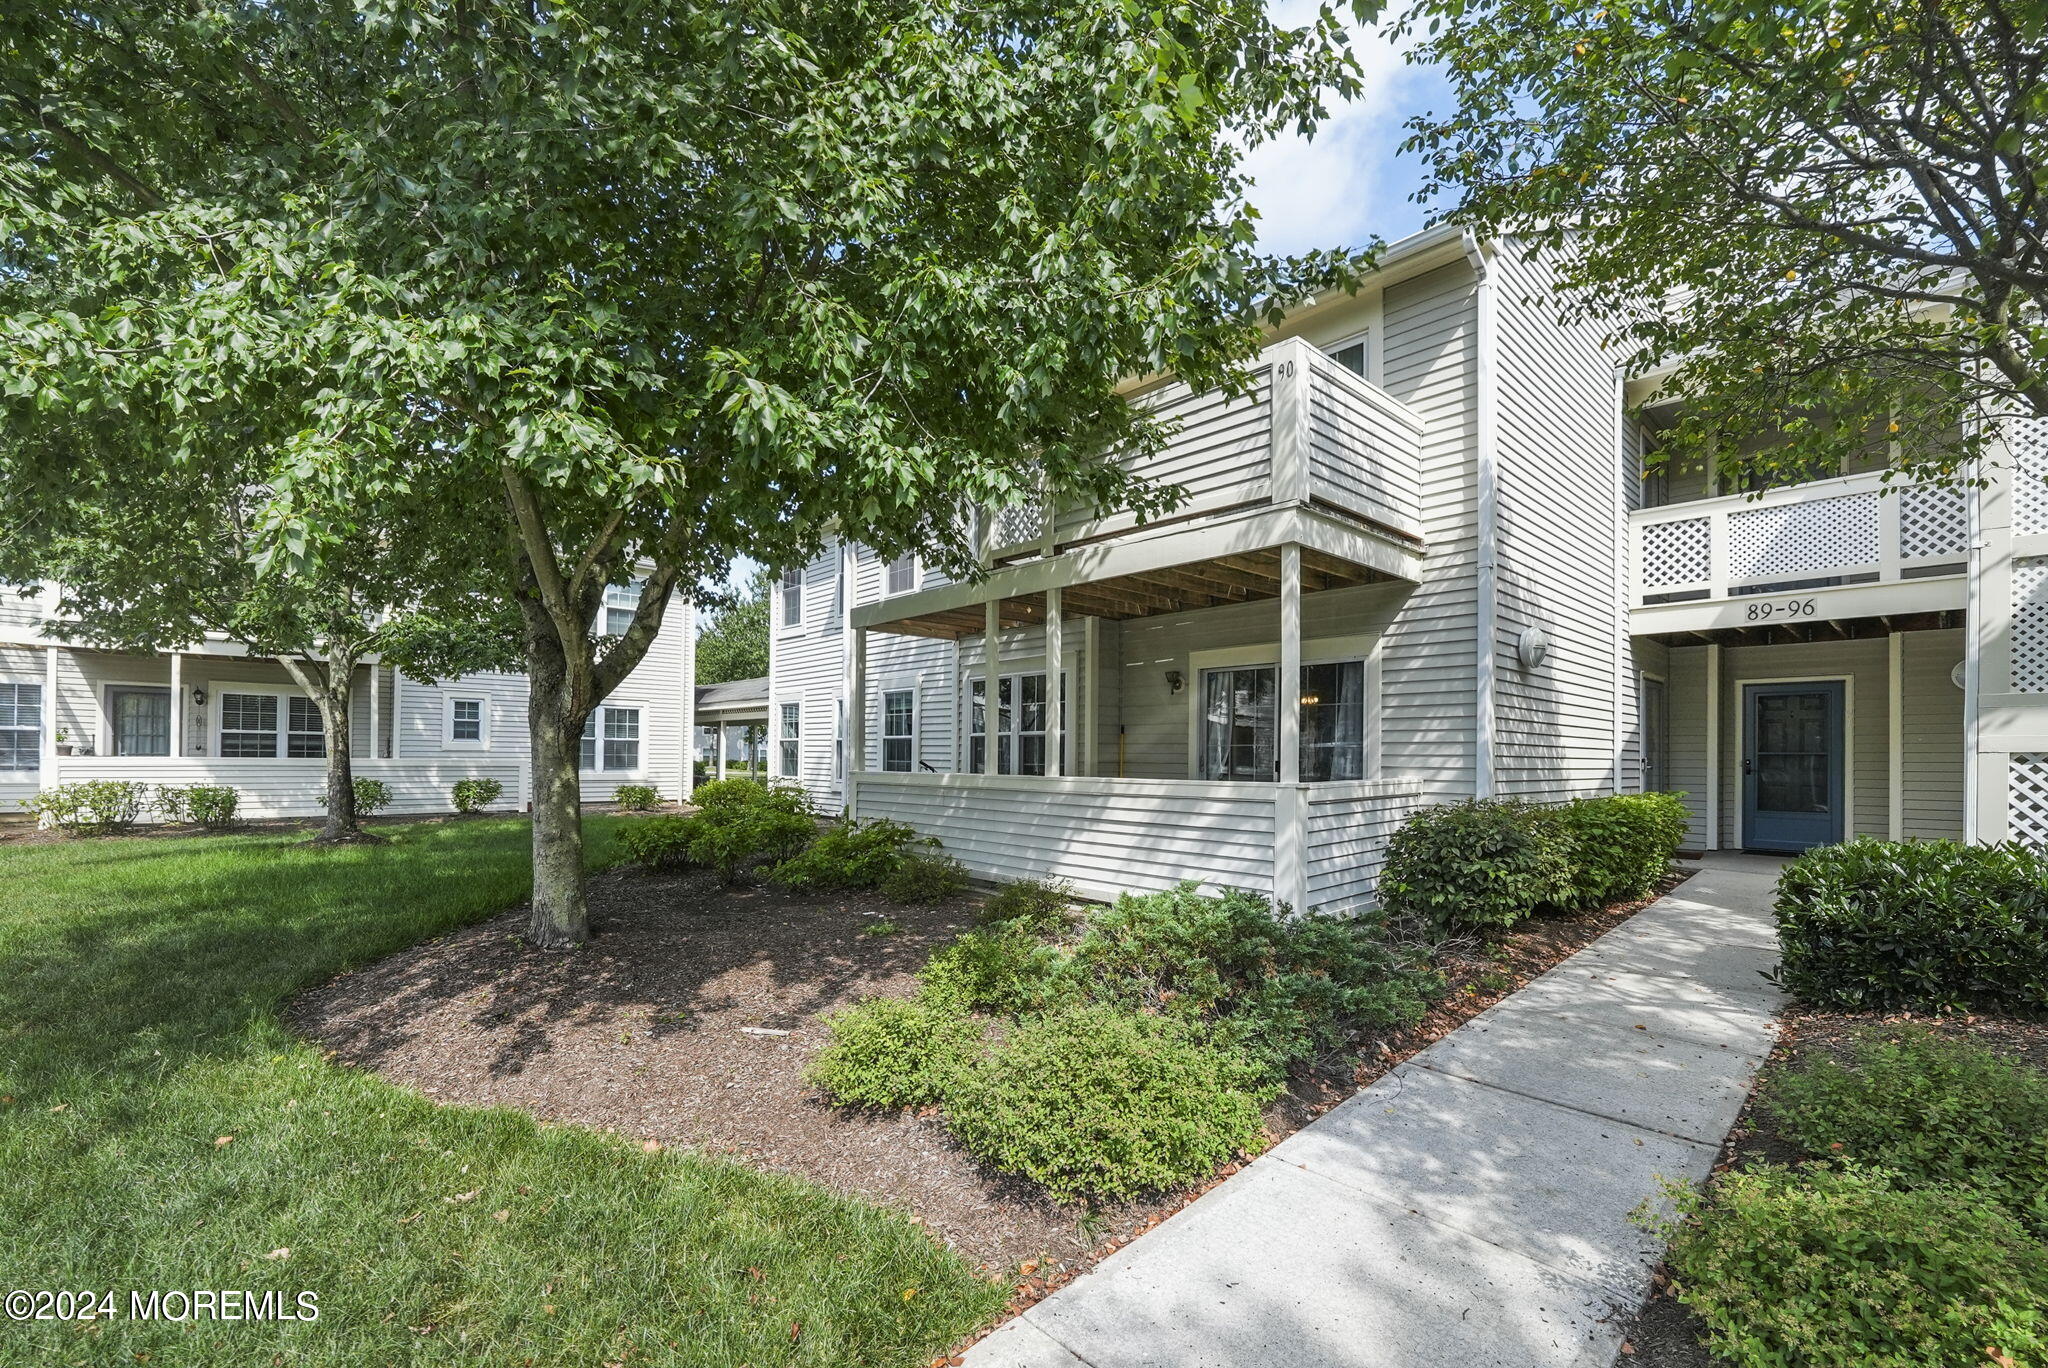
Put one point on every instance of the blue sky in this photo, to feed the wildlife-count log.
(1348, 183)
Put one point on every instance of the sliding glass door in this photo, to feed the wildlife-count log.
(1240, 732)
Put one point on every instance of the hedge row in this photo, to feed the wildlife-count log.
(98, 806)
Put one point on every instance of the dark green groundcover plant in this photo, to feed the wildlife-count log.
(599, 290)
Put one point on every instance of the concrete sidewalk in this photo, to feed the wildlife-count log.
(1472, 1207)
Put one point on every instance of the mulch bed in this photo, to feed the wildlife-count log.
(689, 1016)
(1666, 1335)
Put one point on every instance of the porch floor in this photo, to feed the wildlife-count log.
(1472, 1206)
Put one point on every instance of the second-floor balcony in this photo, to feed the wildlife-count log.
(1827, 550)
(1310, 433)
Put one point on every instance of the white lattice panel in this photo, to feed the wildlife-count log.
(2028, 438)
(1787, 540)
(2026, 795)
(1676, 552)
(1024, 523)
(2030, 624)
(1933, 522)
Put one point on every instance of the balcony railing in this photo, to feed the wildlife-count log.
(1855, 530)
(1309, 432)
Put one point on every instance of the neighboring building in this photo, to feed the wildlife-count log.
(215, 714)
(1431, 514)
(732, 725)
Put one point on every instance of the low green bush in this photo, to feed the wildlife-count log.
(1002, 971)
(1477, 866)
(1621, 844)
(736, 840)
(1838, 1268)
(1883, 925)
(1098, 1102)
(372, 796)
(1043, 907)
(658, 843)
(91, 807)
(724, 794)
(925, 876)
(636, 797)
(848, 855)
(1929, 1109)
(207, 805)
(474, 795)
(888, 1052)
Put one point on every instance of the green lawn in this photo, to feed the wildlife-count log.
(140, 982)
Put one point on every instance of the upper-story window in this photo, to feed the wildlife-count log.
(900, 575)
(1352, 355)
(621, 601)
(793, 598)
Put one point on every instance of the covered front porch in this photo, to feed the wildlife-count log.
(1141, 734)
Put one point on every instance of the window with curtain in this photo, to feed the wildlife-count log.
(1241, 722)
(305, 738)
(248, 726)
(141, 720)
(1333, 721)
(21, 727)
(899, 728)
(791, 739)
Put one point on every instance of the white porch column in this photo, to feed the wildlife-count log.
(719, 743)
(1055, 712)
(1289, 683)
(398, 711)
(991, 672)
(1713, 746)
(857, 709)
(1895, 739)
(376, 711)
(177, 704)
(50, 715)
(1091, 689)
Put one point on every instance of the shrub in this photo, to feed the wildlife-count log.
(734, 840)
(474, 795)
(91, 807)
(886, 1052)
(658, 842)
(1103, 1103)
(636, 797)
(1929, 1109)
(1480, 865)
(925, 876)
(209, 805)
(1622, 844)
(372, 797)
(848, 855)
(999, 971)
(1881, 925)
(1824, 1268)
(1040, 906)
(724, 794)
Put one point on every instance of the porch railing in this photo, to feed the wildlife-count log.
(1850, 530)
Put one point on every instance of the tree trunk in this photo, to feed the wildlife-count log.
(561, 914)
(332, 689)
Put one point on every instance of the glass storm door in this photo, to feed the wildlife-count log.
(142, 721)
(1792, 787)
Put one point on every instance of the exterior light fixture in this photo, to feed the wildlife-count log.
(1174, 682)
(1533, 648)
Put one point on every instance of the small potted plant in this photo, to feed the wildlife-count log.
(63, 742)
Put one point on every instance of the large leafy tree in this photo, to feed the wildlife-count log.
(1827, 216)
(734, 642)
(638, 284)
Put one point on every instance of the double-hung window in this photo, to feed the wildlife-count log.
(611, 739)
(899, 730)
(899, 576)
(21, 726)
(621, 601)
(465, 721)
(793, 597)
(248, 726)
(1020, 724)
(304, 738)
(1240, 723)
(790, 740)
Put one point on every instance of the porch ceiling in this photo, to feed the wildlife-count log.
(1210, 583)
(1825, 629)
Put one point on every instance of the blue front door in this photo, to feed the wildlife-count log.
(1792, 788)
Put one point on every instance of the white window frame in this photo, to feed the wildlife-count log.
(1014, 679)
(216, 706)
(916, 575)
(287, 731)
(882, 737)
(599, 721)
(779, 720)
(1363, 337)
(1364, 648)
(783, 591)
(39, 731)
(630, 594)
(449, 740)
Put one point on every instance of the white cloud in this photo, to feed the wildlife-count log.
(1346, 184)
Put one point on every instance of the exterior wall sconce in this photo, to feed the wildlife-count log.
(1534, 648)
(1175, 682)
(199, 698)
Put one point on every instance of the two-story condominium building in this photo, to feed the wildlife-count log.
(1420, 563)
(213, 713)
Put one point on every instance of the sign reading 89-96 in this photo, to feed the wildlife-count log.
(1775, 610)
